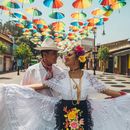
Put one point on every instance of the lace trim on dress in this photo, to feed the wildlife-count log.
(99, 86)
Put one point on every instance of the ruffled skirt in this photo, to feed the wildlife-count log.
(25, 109)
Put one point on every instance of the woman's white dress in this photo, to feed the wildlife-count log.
(24, 109)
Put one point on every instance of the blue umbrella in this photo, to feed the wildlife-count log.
(57, 15)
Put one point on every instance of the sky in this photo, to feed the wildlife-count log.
(116, 28)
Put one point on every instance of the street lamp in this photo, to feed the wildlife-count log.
(94, 30)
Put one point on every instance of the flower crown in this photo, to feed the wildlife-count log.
(80, 53)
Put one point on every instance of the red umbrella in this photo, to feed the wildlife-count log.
(107, 2)
(3, 8)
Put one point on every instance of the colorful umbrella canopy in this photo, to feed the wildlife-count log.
(88, 27)
(74, 28)
(98, 11)
(39, 21)
(4, 8)
(118, 5)
(108, 10)
(19, 25)
(93, 21)
(102, 20)
(12, 4)
(34, 11)
(26, 1)
(76, 23)
(20, 15)
(82, 4)
(53, 3)
(79, 15)
(107, 2)
(58, 24)
(57, 15)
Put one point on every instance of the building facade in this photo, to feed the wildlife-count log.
(119, 57)
(6, 58)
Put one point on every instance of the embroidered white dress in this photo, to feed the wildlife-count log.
(36, 74)
(25, 109)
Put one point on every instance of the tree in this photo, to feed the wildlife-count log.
(103, 55)
(23, 52)
(3, 48)
(10, 28)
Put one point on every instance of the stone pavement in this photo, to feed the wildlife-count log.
(11, 78)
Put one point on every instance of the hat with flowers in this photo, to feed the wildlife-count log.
(80, 53)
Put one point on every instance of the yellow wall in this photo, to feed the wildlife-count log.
(129, 61)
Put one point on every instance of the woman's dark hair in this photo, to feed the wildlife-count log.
(81, 65)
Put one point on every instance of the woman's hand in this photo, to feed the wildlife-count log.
(113, 93)
(37, 86)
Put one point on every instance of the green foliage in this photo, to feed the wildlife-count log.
(103, 53)
(23, 51)
(3, 48)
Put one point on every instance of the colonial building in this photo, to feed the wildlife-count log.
(6, 58)
(119, 59)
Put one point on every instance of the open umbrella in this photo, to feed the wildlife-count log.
(57, 15)
(3, 8)
(39, 21)
(26, 2)
(34, 11)
(79, 15)
(102, 22)
(98, 11)
(19, 25)
(93, 21)
(76, 23)
(53, 3)
(82, 4)
(12, 4)
(108, 10)
(58, 24)
(107, 2)
(20, 15)
(118, 5)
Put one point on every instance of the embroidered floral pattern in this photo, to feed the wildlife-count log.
(73, 120)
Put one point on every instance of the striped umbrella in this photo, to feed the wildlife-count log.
(12, 4)
(57, 15)
(98, 11)
(20, 15)
(53, 3)
(107, 2)
(82, 4)
(26, 2)
(79, 15)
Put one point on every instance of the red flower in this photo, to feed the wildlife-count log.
(79, 48)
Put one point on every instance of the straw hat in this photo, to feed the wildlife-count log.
(48, 44)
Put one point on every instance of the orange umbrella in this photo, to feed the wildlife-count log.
(19, 25)
(98, 11)
(118, 5)
(107, 2)
(79, 15)
(39, 21)
(82, 4)
(93, 21)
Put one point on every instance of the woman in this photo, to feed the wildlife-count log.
(23, 108)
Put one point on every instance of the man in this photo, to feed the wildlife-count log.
(45, 69)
